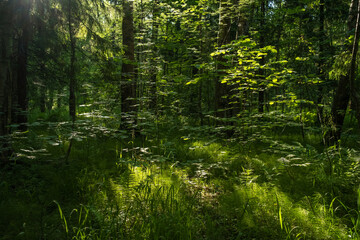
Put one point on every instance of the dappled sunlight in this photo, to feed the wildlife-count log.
(270, 211)
(179, 120)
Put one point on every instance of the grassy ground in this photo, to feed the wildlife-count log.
(175, 185)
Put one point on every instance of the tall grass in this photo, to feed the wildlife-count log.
(179, 186)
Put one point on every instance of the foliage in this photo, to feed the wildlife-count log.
(228, 134)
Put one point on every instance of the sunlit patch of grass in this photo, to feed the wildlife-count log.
(201, 151)
(204, 160)
(263, 211)
(210, 152)
(142, 203)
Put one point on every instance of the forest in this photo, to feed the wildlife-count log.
(179, 119)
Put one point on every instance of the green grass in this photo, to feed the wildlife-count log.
(175, 185)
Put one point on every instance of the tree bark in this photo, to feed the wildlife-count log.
(128, 83)
(221, 103)
(342, 94)
(261, 98)
(21, 85)
(6, 10)
(321, 68)
(72, 73)
(355, 98)
(40, 24)
(154, 38)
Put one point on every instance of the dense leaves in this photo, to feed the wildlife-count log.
(188, 119)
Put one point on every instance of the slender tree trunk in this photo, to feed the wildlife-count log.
(355, 97)
(223, 38)
(128, 83)
(72, 73)
(42, 49)
(6, 10)
(42, 100)
(262, 60)
(21, 85)
(50, 102)
(153, 77)
(200, 83)
(342, 94)
(321, 69)
(4, 88)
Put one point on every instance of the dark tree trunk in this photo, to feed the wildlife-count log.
(262, 60)
(50, 101)
(42, 49)
(42, 92)
(355, 97)
(4, 88)
(221, 103)
(5, 78)
(321, 68)
(342, 94)
(223, 106)
(72, 76)
(153, 77)
(21, 85)
(128, 83)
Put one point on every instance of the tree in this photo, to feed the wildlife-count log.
(15, 33)
(355, 97)
(224, 37)
(22, 59)
(128, 82)
(6, 15)
(342, 94)
(262, 60)
(71, 5)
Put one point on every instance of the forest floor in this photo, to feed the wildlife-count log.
(183, 183)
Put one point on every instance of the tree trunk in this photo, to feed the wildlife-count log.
(42, 98)
(128, 83)
(261, 98)
(72, 73)
(5, 78)
(355, 98)
(153, 77)
(42, 49)
(321, 68)
(21, 85)
(50, 101)
(342, 94)
(221, 103)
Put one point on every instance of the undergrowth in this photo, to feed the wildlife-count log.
(175, 184)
